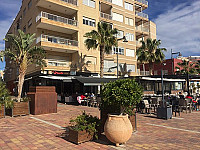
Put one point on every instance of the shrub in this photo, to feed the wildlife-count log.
(5, 98)
(85, 122)
(121, 96)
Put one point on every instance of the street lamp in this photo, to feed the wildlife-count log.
(163, 111)
(125, 41)
(173, 53)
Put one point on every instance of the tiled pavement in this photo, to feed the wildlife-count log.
(28, 133)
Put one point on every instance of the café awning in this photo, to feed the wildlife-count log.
(65, 79)
(93, 81)
(164, 79)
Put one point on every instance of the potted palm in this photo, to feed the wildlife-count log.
(83, 128)
(119, 100)
(5, 100)
(23, 54)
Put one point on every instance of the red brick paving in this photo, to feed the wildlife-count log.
(27, 133)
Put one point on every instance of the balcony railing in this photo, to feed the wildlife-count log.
(56, 18)
(57, 40)
(142, 1)
(74, 2)
(141, 28)
(110, 1)
(106, 16)
(141, 14)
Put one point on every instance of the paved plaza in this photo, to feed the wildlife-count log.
(46, 132)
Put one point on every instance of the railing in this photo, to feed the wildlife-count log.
(56, 63)
(109, 1)
(142, 1)
(144, 73)
(141, 28)
(57, 18)
(106, 16)
(74, 2)
(58, 40)
(141, 14)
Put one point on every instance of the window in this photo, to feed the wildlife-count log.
(130, 37)
(130, 52)
(24, 29)
(109, 66)
(129, 21)
(29, 4)
(118, 17)
(24, 12)
(89, 3)
(128, 6)
(90, 60)
(131, 68)
(120, 34)
(119, 50)
(90, 22)
(118, 2)
(29, 23)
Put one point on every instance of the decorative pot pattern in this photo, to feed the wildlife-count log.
(118, 129)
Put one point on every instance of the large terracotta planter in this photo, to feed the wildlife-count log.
(2, 111)
(78, 137)
(118, 129)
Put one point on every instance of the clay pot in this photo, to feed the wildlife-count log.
(118, 129)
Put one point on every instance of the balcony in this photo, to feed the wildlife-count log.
(141, 14)
(57, 44)
(106, 16)
(57, 18)
(142, 1)
(53, 64)
(74, 2)
(68, 7)
(56, 23)
(142, 29)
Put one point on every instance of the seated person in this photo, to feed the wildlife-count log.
(181, 95)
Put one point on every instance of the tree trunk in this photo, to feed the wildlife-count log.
(20, 85)
(101, 60)
(144, 68)
(150, 68)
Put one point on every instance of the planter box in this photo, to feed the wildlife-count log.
(43, 100)
(20, 108)
(2, 111)
(78, 137)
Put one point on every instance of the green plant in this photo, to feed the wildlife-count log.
(121, 96)
(22, 52)
(5, 98)
(86, 122)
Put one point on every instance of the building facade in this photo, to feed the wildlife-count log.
(60, 26)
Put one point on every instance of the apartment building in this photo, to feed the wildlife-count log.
(60, 26)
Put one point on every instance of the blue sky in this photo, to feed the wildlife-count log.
(178, 23)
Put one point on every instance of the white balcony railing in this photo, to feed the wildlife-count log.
(143, 1)
(74, 2)
(56, 18)
(109, 1)
(106, 16)
(141, 14)
(142, 28)
(57, 40)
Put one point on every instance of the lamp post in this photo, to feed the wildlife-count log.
(163, 111)
(125, 41)
(173, 53)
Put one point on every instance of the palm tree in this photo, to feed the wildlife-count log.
(22, 52)
(187, 68)
(150, 52)
(104, 38)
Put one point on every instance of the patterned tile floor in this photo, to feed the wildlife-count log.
(44, 132)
